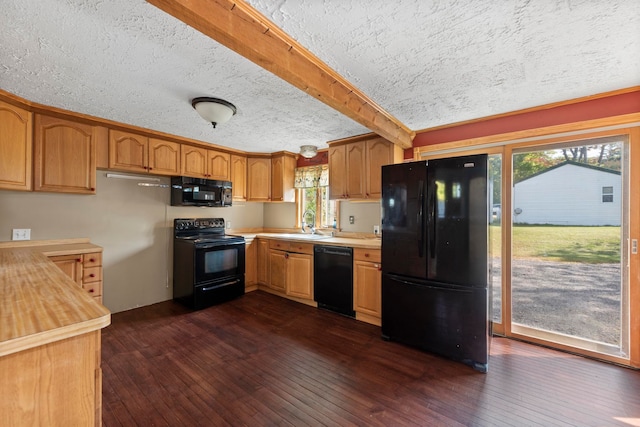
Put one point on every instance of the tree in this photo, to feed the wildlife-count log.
(527, 164)
(602, 155)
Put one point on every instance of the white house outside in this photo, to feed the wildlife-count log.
(569, 193)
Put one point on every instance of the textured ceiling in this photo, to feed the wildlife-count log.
(428, 63)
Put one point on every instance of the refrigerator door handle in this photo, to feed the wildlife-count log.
(421, 218)
(430, 285)
(432, 218)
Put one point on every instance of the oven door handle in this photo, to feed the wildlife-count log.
(210, 288)
(218, 245)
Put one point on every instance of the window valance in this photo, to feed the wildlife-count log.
(312, 176)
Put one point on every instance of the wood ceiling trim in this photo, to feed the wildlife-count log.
(244, 30)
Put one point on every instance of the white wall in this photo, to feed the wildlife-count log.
(366, 215)
(568, 195)
(279, 215)
(132, 224)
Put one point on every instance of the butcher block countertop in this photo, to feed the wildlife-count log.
(39, 304)
(353, 242)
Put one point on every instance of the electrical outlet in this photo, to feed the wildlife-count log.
(228, 224)
(352, 219)
(21, 234)
(376, 229)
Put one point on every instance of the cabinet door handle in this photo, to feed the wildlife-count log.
(79, 260)
(150, 168)
(92, 275)
(286, 256)
(366, 255)
(91, 291)
(379, 267)
(92, 260)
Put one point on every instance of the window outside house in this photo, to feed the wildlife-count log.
(312, 185)
(607, 194)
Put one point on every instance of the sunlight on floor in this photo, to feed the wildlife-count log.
(631, 421)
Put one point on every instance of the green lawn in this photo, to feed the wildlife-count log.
(592, 245)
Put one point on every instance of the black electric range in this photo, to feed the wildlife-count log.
(208, 265)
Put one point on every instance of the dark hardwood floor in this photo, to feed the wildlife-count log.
(264, 360)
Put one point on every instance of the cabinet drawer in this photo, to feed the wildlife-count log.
(92, 259)
(91, 274)
(303, 248)
(93, 288)
(279, 245)
(371, 255)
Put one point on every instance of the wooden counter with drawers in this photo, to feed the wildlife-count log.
(50, 333)
(282, 264)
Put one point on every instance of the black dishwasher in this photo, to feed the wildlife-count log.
(333, 278)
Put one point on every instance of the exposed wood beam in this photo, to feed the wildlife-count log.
(241, 28)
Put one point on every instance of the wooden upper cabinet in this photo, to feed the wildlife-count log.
(128, 151)
(65, 156)
(282, 178)
(194, 161)
(199, 162)
(380, 152)
(338, 172)
(355, 168)
(15, 147)
(219, 165)
(137, 153)
(258, 179)
(164, 157)
(239, 177)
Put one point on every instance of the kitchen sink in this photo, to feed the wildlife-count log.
(301, 236)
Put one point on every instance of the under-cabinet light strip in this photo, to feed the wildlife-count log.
(133, 177)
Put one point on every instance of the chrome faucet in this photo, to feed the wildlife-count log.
(312, 226)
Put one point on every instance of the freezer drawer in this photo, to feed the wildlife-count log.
(448, 320)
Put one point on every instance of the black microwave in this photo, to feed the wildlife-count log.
(187, 191)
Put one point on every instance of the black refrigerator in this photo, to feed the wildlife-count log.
(435, 278)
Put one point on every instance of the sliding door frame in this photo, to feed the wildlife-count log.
(505, 144)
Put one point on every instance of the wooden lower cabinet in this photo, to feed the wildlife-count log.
(63, 377)
(286, 268)
(278, 270)
(263, 262)
(251, 265)
(84, 269)
(367, 285)
(300, 275)
(291, 269)
(71, 265)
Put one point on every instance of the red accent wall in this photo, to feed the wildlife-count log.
(322, 158)
(614, 105)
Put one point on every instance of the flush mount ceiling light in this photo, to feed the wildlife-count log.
(214, 110)
(308, 151)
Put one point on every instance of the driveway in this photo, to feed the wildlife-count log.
(571, 298)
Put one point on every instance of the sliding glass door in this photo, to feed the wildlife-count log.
(569, 214)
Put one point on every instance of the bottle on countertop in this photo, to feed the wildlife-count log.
(335, 223)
